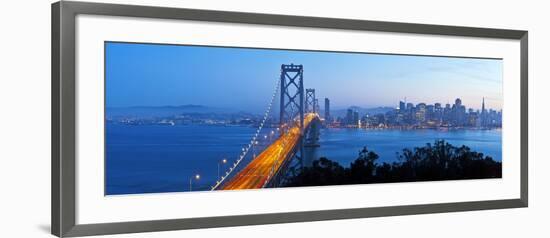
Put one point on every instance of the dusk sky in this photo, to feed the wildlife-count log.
(244, 79)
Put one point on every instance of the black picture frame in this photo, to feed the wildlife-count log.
(63, 192)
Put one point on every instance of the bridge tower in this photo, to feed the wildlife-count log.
(317, 108)
(311, 134)
(292, 96)
(311, 100)
(292, 102)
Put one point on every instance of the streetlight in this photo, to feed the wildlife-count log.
(253, 148)
(196, 177)
(223, 161)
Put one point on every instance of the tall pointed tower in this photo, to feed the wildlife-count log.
(483, 113)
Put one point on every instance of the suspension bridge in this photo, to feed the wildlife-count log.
(298, 129)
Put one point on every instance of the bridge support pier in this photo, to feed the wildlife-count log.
(311, 143)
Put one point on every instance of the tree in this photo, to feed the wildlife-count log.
(322, 172)
(363, 169)
(440, 161)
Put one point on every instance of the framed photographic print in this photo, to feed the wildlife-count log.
(168, 118)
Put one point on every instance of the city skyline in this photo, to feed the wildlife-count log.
(178, 75)
(420, 116)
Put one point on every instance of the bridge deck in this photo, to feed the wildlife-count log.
(257, 172)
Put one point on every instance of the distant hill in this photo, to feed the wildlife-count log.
(166, 111)
(161, 111)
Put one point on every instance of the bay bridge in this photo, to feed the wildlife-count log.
(299, 125)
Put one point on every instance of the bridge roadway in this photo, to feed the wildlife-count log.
(257, 172)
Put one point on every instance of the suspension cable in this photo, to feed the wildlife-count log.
(245, 150)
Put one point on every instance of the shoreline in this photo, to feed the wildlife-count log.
(417, 129)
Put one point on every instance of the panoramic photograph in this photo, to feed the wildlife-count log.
(186, 118)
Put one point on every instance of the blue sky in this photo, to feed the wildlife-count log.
(244, 79)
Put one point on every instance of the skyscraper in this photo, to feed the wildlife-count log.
(327, 109)
(402, 106)
(420, 114)
(355, 118)
(438, 112)
(483, 105)
(410, 106)
(458, 109)
(458, 103)
(349, 116)
(483, 115)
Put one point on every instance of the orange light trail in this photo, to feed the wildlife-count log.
(267, 163)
